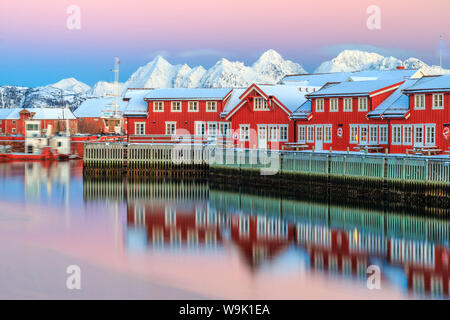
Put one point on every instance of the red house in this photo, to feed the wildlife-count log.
(261, 116)
(181, 111)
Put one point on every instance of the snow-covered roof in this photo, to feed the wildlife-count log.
(188, 94)
(289, 95)
(303, 111)
(232, 101)
(93, 108)
(41, 113)
(352, 88)
(5, 113)
(135, 104)
(396, 105)
(431, 84)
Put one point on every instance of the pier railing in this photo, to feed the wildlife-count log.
(332, 164)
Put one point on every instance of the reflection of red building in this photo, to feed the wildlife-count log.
(176, 225)
(260, 238)
(427, 266)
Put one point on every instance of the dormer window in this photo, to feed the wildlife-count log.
(362, 104)
(260, 104)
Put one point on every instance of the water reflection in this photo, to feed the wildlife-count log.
(155, 219)
(412, 252)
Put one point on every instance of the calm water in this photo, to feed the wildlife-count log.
(182, 240)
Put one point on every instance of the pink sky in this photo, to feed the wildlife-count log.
(201, 31)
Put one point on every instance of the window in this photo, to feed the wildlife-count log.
(176, 106)
(211, 106)
(430, 134)
(419, 102)
(363, 134)
(32, 127)
(260, 104)
(348, 107)
(438, 101)
(224, 129)
(200, 128)
(139, 128)
(212, 129)
(301, 134)
(334, 105)
(319, 105)
(407, 135)
(373, 134)
(13, 130)
(193, 106)
(362, 104)
(273, 133)
(171, 128)
(283, 133)
(310, 137)
(244, 132)
(353, 134)
(418, 135)
(158, 106)
(383, 134)
(397, 134)
(328, 133)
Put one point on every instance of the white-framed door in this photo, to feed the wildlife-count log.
(262, 137)
(319, 138)
(418, 136)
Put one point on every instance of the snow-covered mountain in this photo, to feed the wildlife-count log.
(355, 60)
(159, 73)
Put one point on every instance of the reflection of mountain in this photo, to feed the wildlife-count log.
(344, 241)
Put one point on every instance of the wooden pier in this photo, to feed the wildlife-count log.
(328, 165)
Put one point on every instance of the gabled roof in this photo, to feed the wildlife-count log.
(232, 101)
(303, 111)
(40, 114)
(431, 84)
(394, 106)
(188, 94)
(135, 104)
(287, 97)
(355, 88)
(5, 113)
(94, 107)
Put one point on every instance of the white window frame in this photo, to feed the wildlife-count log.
(193, 103)
(328, 133)
(361, 129)
(422, 100)
(174, 103)
(222, 126)
(200, 128)
(334, 104)
(348, 107)
(422, 142)
(363, 106)
(209, 129)
(244, 132)
(272, 132)
(138, 132)
(371, 128)
(441, 100)
(301, 138)
(283, 127)
(310, 134)
(396, 134)
(260, 104)
(426, 141)
(170, 123)
(320, 105)
(407, 128)
(354, 129)
(211, 106)
(157, 104)
(383, 133)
